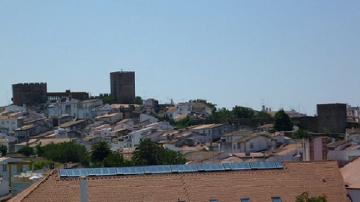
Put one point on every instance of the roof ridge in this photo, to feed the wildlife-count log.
(22, 195)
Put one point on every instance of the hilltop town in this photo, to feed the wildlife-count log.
(53, 134)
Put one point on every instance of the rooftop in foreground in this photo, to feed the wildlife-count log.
(351, 174)
(225, 183)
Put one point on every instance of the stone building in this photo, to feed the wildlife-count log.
(56, 96)
(29, 93)
(123, 87)
(332, 118)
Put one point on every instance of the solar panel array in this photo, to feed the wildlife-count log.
(167, 169)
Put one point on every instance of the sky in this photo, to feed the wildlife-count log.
(284, 54)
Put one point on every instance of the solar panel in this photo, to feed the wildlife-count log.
(265, 165)
(163, 169)
(112, 171)
(257, 165)
(157, 169)
(99, 172)
(236, 166)
(69, 173)
(92, 171)
(74, 172)
(124, 171)
(210, 167)
(84, 172)
(120, 171)
(184, 168)
(278, 165)
(103, 171)
(63, 173)
(138, 170)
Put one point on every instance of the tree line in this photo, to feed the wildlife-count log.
(241, 116)
(147, 153)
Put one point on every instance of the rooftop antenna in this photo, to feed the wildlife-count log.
(263, 106)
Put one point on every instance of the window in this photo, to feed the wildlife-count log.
(214, 200)
(276, 199)
(244, 200)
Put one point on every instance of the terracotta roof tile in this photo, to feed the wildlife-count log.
(350, 173)
(317, 178)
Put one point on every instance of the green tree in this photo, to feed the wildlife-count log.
(3, 150)
(243, 112)
(37, 165)
(183, 123)
(283, 122)
(65, 152)
(99, 152)
(222, 115)
(262, 118)
(171, 157)
(39, 150)
(114, 159)
(107, 99)
(138, 100)
(305, 197)
(301, 134)
(27, 151)
(150, 153)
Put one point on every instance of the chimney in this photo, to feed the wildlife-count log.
(83, 189)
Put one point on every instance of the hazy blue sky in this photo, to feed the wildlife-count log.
(290, 54)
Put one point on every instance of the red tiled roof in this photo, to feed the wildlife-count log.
(317, 178)
(351, 174)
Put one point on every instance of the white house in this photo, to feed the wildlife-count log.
(162, 125)
(184, 109)
(343, 153)
(145, 118)
(7, 141)
(247, 142)
(125, 124)
(180, 111)
(61, 133)
(191, 138)
(110, 118)
(151, 105)
(132, 140)
(102, 131)
(353, 135)
(102, 110)
(4, 177)
(353, 114)
(253, 143)
(86, 109)
(10, 121)
(15, 108)
(211, 131)
(65, 107)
